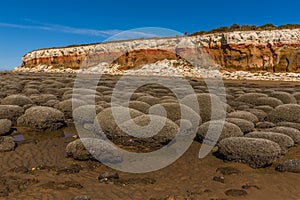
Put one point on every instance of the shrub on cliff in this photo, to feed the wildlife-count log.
(236, 27)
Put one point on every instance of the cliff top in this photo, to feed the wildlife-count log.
(220, 30)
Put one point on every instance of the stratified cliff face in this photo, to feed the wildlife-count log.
(273, 51)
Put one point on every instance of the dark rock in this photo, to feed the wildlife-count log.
(228, 170)
(61, 185)
(235, 192)
(247, 186)
(82, 197)
(144, 181)
(289, 166)
(72, 169)
(20, 169)
(107, 176)
(220, 179)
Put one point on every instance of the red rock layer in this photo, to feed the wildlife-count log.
(277, 57)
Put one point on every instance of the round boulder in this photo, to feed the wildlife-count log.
(261, 115)
(264, 125)
(285, 112)
(243, 115)
(93, 148)
(106, 120)
(42, 118)
(86, 114)
(68, 105)
(245, 126)
(16, 99)
(289, 124)
(149, 128)
(228, 130)
(11, 112)
(5, 126)
(289, 166)
(285, 97)
(291, 132)
(208, 103)
(270, 101)
(6, 143)
(149, 100)
(264, 108)
(250, 97)
(256, 152)
(139, 105)
(284, 141)
(176, 111)
(40, 99)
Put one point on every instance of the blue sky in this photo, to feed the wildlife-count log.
(28, 25)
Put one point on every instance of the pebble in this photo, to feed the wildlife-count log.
(228, 170)
(235, 192)
(107, 176)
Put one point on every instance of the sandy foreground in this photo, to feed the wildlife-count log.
(38, 167)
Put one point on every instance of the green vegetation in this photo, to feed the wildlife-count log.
(236, 27)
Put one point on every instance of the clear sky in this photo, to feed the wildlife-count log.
(31, 24)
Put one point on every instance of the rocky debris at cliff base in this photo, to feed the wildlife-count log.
(167, 69)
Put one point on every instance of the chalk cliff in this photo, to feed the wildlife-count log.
(272, 51)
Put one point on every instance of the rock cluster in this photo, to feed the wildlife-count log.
(250, 132)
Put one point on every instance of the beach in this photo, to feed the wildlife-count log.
(39, 167)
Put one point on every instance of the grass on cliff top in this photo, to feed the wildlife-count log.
(236, 27)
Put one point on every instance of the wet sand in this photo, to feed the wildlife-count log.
(38, 168)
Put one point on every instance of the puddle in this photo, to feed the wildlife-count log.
(69, 134)
(26, 134)
(18, 138)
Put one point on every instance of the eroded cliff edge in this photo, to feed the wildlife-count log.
(272, 51)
